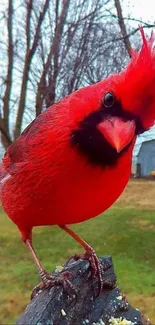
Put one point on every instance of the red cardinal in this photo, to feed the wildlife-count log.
(74, 160)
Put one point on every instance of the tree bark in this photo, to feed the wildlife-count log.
(44, 91)
(28, 58)
(54, 306)
(4, 121)
(122, 26)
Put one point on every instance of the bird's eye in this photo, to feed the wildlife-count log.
(108, 99)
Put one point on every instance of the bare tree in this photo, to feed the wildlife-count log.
(29, 53)
(46, 88)
(15, 61)
(44, 58)
(4, 119)
(49, 48)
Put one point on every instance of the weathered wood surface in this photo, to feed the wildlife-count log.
(56, 307)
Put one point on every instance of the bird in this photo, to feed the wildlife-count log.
(73, 161)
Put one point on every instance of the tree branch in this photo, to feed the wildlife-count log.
(44, 91)
(28, 58)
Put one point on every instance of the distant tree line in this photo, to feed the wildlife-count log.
(50, 48)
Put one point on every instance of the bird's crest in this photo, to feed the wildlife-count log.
(136, 85)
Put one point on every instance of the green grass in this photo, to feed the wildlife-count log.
(126, 234)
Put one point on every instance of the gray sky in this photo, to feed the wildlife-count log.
(140, 9)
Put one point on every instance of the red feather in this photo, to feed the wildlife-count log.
(51, 182)
(136, 83)
(46, 181)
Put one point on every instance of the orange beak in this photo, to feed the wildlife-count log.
(117, 132)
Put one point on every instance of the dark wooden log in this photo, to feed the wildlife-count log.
(54, 306)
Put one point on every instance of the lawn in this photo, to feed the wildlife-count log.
(126, 231)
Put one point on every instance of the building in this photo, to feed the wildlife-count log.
(145, 159)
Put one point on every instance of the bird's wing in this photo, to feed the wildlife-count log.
(16, 156)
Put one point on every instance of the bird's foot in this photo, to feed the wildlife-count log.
(96, 266)
(49, 280)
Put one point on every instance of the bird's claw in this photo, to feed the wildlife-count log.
(96, 266)
(49, 280)
(38, 288)
(97, 269)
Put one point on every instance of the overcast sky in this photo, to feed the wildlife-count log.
(140, 9)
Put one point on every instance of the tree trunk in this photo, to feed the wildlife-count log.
(4, 123)
(5, 138)
(122, 26)
(28, 58)
(22, 100)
